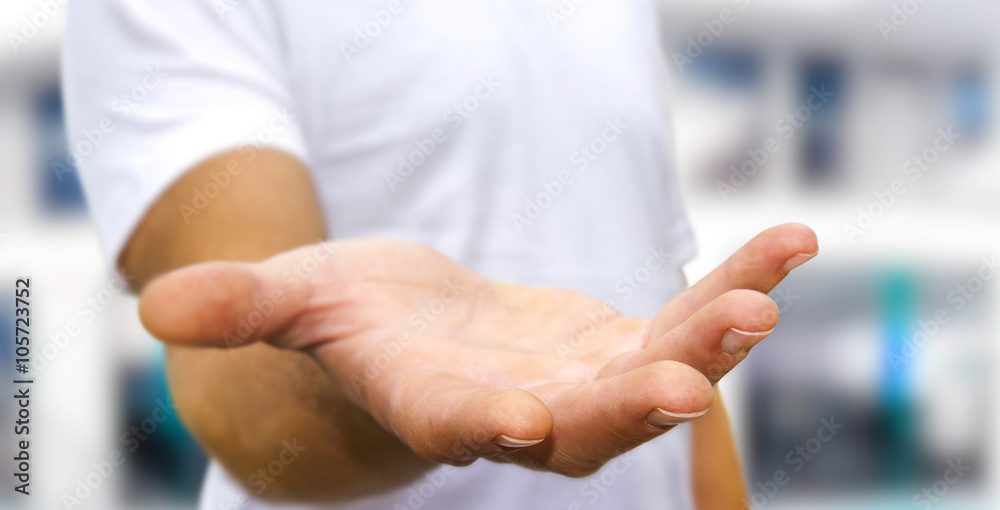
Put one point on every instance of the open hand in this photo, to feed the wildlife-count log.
(462, 367)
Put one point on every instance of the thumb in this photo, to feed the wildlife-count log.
(221, 304)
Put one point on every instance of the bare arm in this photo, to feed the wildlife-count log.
(716, 474)
(241, 404)
(513, 398)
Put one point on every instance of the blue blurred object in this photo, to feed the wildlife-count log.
(972, 103)
(60, 186)
(821, 136)
(830, 359)
(168, 463)
(728, 68)
(899, 313)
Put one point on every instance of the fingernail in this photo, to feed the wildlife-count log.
(510, 442)
(798, 260)
(660, 418)
(737, 342)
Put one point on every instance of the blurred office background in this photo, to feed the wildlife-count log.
(99, 377)
(850, 348)
(857, 345)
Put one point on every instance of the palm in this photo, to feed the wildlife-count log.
(447, 318)
(462, 367)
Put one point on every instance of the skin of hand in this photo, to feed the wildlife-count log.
(243, 404)
(460, 367)
(717, 480)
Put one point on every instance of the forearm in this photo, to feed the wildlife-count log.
(243, 404)
(717, 477)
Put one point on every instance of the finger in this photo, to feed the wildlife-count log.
(608, 417)
(221, 304)
(450, 420)
(713, 340)
(759, 265)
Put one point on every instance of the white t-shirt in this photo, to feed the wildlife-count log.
(526, 139)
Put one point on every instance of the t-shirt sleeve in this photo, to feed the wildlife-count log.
(153, 88)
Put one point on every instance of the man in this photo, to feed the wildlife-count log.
(448, 146)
